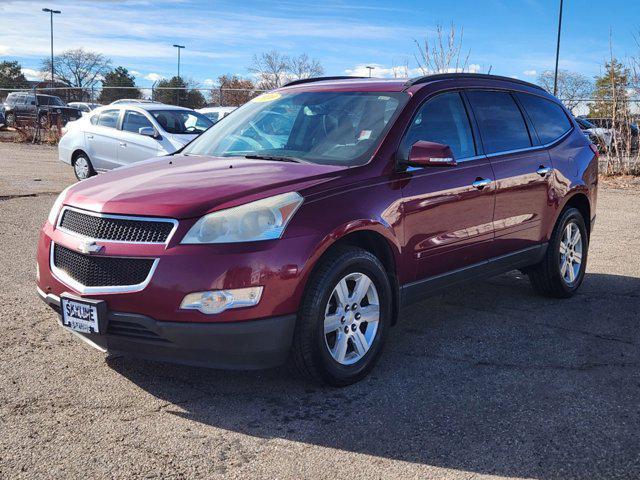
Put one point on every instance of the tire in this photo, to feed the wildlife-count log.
(10, 119)
(82, 166)
(556, 275)
(43, 121)
(348, 353)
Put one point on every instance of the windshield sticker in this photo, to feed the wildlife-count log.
(364, 135)
(267, 97)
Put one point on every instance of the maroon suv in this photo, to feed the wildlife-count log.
(298, 227)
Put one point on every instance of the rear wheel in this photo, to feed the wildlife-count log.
(562, 270)
(343, 318)
(82, 167)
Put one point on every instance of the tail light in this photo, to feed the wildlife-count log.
(595, 150)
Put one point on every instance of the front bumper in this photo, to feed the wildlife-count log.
(247, 345)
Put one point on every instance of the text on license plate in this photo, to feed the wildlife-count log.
(80, 317)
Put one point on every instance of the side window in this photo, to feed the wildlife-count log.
(109, 118)
(442, 119)
(21, 99)
(43, 100)
(134, 121)
(548, 118)
(501, 123)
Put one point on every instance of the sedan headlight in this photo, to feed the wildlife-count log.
(57, 205)
(264, 219)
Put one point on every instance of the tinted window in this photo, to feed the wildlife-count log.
(501, 123)
(109, 118)
(181, 121)
(43, 100)
(134, 121)
(548, 117)
(442, 119)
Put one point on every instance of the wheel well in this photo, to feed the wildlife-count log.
(581, 202)
(377, 245)
(75, 155)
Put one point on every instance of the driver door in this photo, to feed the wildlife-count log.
(448, 210)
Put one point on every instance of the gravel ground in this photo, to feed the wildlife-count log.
(486, 381)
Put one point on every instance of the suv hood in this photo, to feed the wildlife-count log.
(191, 186)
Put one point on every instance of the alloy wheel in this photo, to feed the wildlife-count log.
(570, 253)
(81, 167)
(351, 318)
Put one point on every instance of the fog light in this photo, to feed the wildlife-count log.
(217, 301)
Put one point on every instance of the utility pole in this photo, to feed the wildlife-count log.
(179, 47)
(51, 12)
(555, 76)
(370, 68)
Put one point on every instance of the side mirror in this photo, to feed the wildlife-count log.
(430, 154)
(147, 132)
(33, 102)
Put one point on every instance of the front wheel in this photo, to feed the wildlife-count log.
(562, 270)
(10, 119)
(343, 319)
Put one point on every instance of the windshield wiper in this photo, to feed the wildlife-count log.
(275, 158)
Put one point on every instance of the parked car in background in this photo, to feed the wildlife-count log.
(301, 239)
(84, 107)
(21, 106)
(2, 118)
(601, 137)
(123, 101)
(624, 135)
(116, 135)
(215, 114)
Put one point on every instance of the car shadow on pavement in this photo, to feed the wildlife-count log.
(489, 378)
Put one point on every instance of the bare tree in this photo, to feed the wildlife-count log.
(442, 54)
(273, 69)
(233, 91)
(270, 68)
(78, 68)
(304, 67)
(573, 87)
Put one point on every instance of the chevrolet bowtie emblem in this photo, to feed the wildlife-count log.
(89, 247)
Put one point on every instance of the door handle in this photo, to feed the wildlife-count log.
(480, 183)
(542, 170)
(123, 144)
(90, 136)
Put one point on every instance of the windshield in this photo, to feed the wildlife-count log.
(181, 122)
(336, 128)
(584, 123)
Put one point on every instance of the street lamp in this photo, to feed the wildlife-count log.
(51, 12)
(555, 76)
(179, 47)
(370, 68)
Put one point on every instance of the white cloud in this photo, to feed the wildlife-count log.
(4, 50)
(530, 73)
(135, 73)
(399, 71)
(209, 81)
(32, 74)
(153, 77)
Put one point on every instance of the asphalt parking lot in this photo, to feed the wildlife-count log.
(488, 380)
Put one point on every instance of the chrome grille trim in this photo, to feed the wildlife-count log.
(63, 277)
(115, 217)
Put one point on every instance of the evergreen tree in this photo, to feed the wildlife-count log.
(611, 96)
(122, 83)
(11, 76)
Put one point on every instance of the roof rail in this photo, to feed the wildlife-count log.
(453, 76)
(317, 79)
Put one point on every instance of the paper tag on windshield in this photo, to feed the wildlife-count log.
(364, 135)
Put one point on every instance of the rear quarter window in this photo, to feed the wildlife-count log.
(548, 117)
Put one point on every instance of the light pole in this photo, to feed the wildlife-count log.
(51, 12)
(555, 76)
(370, 68)
(179, 47)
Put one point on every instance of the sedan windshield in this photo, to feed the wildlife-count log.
(336, 128)
(181, 122)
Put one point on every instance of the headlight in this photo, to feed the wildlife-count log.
(57, 205)
(264, 219)
(218, 301)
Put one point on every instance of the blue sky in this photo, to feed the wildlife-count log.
(513, 37)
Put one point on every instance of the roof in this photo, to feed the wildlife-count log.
(395, 84)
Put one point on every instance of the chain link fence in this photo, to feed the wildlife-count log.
(616, 135)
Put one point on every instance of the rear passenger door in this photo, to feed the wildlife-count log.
(133, 147)
(521, 170)
(101, 139)
(448, 211)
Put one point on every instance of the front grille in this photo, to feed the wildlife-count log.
(116, 229)
(124, 328)
(97, 271)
